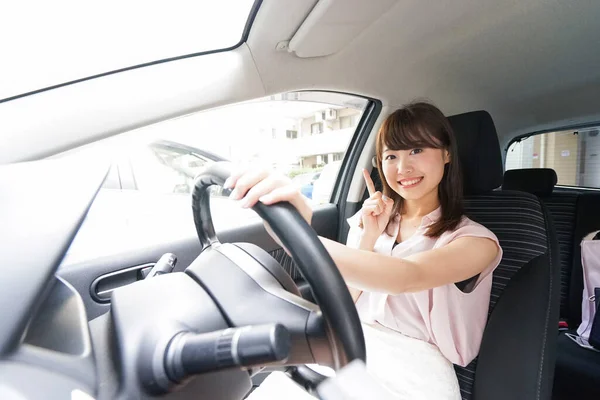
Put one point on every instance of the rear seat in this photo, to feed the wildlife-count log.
(575, 214)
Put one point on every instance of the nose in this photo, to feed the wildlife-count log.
(404, 165)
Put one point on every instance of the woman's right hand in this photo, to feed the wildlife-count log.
(376, 210)
(261, 184)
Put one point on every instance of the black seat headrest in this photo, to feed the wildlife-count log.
(538, 181)
(479, 151)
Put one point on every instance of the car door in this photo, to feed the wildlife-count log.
(127, 231)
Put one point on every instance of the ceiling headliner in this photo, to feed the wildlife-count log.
(533, 65)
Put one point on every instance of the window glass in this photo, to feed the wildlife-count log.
(573, 154)
(160, 162)
(316, 128)
(106, 36)
(162, 169)
(291, 134)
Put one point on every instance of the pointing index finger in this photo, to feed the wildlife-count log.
(369, 182)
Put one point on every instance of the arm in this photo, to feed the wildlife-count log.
(361, 268)
(363, 244)
(459, 260)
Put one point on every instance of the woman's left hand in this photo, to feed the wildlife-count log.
(376, 211)
(267, 186)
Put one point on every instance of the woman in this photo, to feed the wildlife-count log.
(418, 269)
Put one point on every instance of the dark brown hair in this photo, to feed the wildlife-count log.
(422, 125)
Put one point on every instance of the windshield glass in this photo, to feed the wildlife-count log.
(50, 43)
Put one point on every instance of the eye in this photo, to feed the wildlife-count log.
(416, 151)
(390, 157)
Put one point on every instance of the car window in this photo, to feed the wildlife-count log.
(161, 169)
(303, 135)
(277, 131)
(573, 154)
(115, 35)
(324, 185)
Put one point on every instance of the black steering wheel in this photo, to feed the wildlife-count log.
(335, 318)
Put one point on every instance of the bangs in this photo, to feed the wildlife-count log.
(402, 131)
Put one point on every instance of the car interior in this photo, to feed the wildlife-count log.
(98, 302)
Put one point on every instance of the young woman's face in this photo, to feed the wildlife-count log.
(415, 173)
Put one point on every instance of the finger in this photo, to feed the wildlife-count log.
(388, 203)
(288, 193)
(237, 170)
(371, 210)
(381, 205)
(262, 188)
(247, 181)
(369, 182)
(375, 200)
(291, 194)
(374, 203)
(376, 195)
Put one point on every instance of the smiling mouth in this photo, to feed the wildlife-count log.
(406, 183)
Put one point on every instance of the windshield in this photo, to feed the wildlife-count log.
(50, 43)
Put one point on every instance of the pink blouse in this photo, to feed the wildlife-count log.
(445, 316)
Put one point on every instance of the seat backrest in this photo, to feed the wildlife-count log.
(562, 208)
(516, 359)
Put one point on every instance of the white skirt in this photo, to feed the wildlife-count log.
(409, 369)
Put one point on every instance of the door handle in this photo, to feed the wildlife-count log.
(102, 287)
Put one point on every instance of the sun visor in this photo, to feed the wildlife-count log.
(332, 24)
